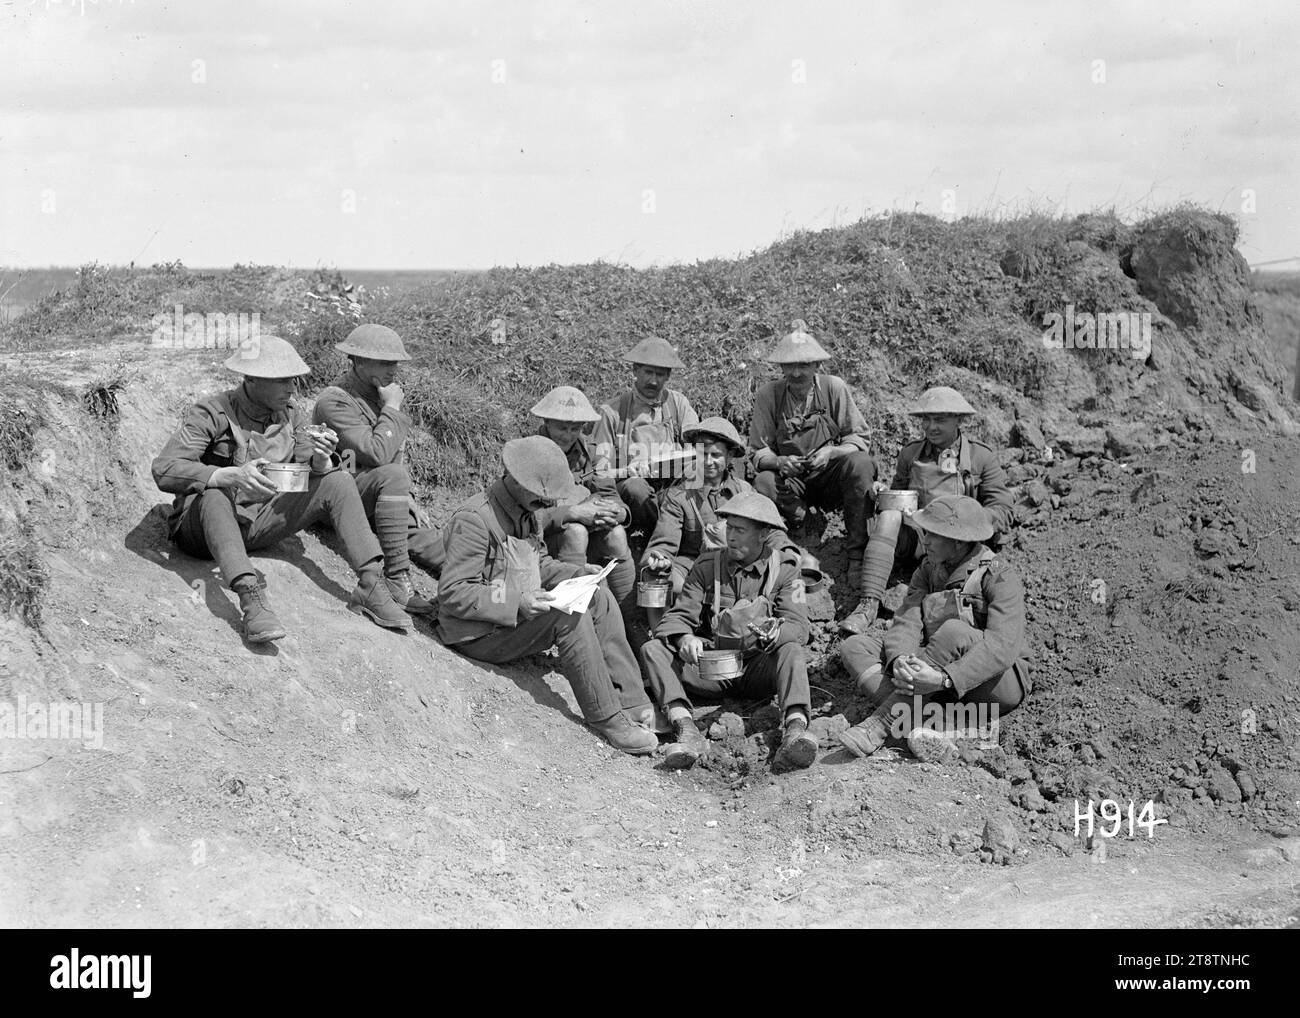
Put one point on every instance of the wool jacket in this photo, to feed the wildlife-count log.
(1001, 617)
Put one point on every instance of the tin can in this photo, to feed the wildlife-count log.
(652, 592)
(287, 476)
(721, 664)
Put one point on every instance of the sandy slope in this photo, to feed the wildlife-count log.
(353, 777)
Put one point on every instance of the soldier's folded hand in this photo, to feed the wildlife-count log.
(247, 480)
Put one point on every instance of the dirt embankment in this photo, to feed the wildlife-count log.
(352, 777)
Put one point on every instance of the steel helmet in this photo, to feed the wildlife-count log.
(374, 342)
(941, 400)
(268, 357)
(565, 403)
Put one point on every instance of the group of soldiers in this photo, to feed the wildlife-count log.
(641, 487)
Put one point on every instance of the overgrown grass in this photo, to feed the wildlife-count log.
(23, 576)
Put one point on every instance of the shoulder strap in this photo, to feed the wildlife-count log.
(773, 570)
(963, 463)
(975, 580)
(624, 406)
(717, 581)
(228, 408)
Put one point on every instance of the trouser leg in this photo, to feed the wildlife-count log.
(424, 545)
(330, 496)
(581, 657)
(952, 641)
(612, 543)
(845, 484)
(210, 528)
(639, 496)
(860, 655)
(663, 672)
(784, 670)
(385, 493)
(620, 662)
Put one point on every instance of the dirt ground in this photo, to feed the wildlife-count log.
(352, 777)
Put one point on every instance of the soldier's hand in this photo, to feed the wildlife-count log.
(818, 459)
(584, 513)
(689, 649)
(534, 603)
(789, 466)
(878, 486)
(391, 395)
(323, 441)
(247, 480)
(658, 562)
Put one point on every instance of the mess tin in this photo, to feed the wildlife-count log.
(287, 476)
(901, 499)
(721, 664)
(652, 592)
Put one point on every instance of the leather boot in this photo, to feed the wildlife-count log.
(798, 745)
(620, 733)
(405, 594)
(866, 737)
(373, 599)
(688, 747)
(260, 623)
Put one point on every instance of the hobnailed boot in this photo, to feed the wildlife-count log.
(798, 745)
(373, 599)
(260, 623)
(620, 733)
(689, 746)
(865, 737)
(405, 594)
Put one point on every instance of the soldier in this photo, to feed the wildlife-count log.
(688, 514)
(944, 462)
(492, 606)
(948, 462)
(748, 596)
(959, 635)
(364, 406)
(809, 443)
(589, 528)
(641, 430)
(225, 507)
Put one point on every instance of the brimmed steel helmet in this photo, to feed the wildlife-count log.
(941, 400)
(268, 357)
(375, 343)
(959, 517)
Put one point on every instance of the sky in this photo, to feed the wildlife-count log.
(465, 135)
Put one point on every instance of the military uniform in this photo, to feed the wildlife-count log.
(827, 416)
(689, 523)
(967, 467)
(372, 439)
(716, 585)
(478, 606)
(226, 430)
(631, 429)
(227, 519)
(977, 637)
